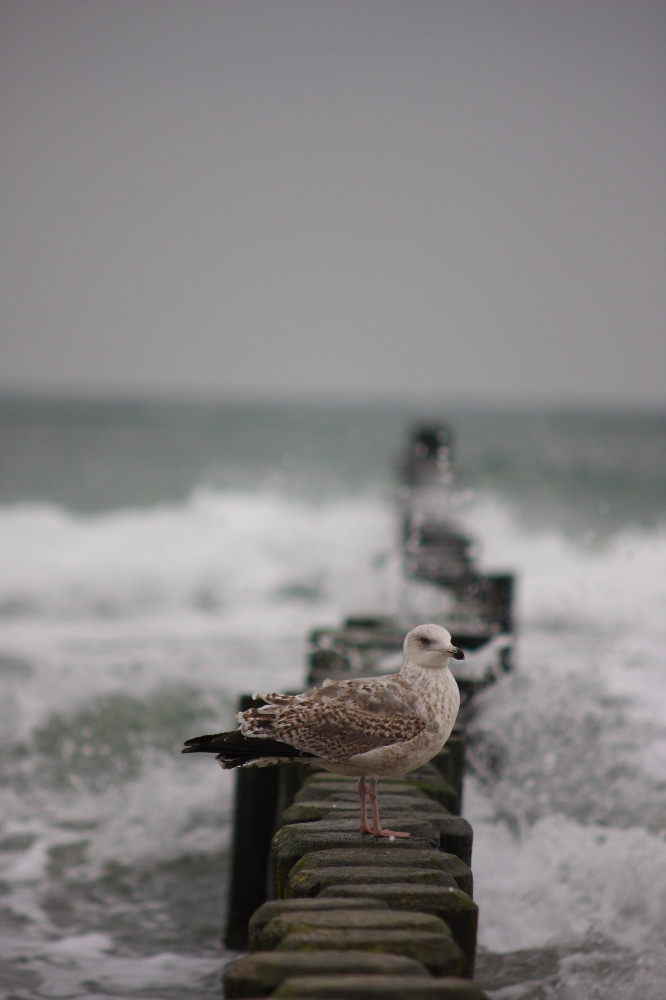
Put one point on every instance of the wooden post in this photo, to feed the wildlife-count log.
(255, 806)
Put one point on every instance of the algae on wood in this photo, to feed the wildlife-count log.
(438, 952)
(259, 974)
(453, 906)
(311, 883)
(359, 987)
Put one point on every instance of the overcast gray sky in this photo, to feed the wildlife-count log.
(336, 197)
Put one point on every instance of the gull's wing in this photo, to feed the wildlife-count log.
(340, 719)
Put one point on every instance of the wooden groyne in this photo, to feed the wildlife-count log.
(347, 905)
(323, 910)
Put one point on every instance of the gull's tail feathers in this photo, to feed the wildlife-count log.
(261, 721)
(236, 750)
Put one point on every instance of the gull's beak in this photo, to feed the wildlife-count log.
(456, 653)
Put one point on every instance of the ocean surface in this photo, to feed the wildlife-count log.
(158, 559)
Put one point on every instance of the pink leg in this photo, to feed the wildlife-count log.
(364, 815)
(376, 825)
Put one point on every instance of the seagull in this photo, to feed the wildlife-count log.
(373, 727)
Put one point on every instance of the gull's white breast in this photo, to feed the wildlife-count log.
(441, 701)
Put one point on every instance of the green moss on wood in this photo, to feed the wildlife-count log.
(298, 923)
(292, 842)
(453, 906)
(382, 856)
(259, 974)
(310, 907)
(311, 883)
(360, 987)
(437, 952)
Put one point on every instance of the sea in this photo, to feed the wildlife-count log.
(157, 559)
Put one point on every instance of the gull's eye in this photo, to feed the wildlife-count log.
(424, 641)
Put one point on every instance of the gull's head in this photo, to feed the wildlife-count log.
(430, 646)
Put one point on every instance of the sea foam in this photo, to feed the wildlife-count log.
(125, 632)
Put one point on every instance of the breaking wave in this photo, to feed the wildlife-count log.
(126, 631)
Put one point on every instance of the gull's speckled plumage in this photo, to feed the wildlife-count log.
(370, 727)
(340, 719)
(381, 726)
